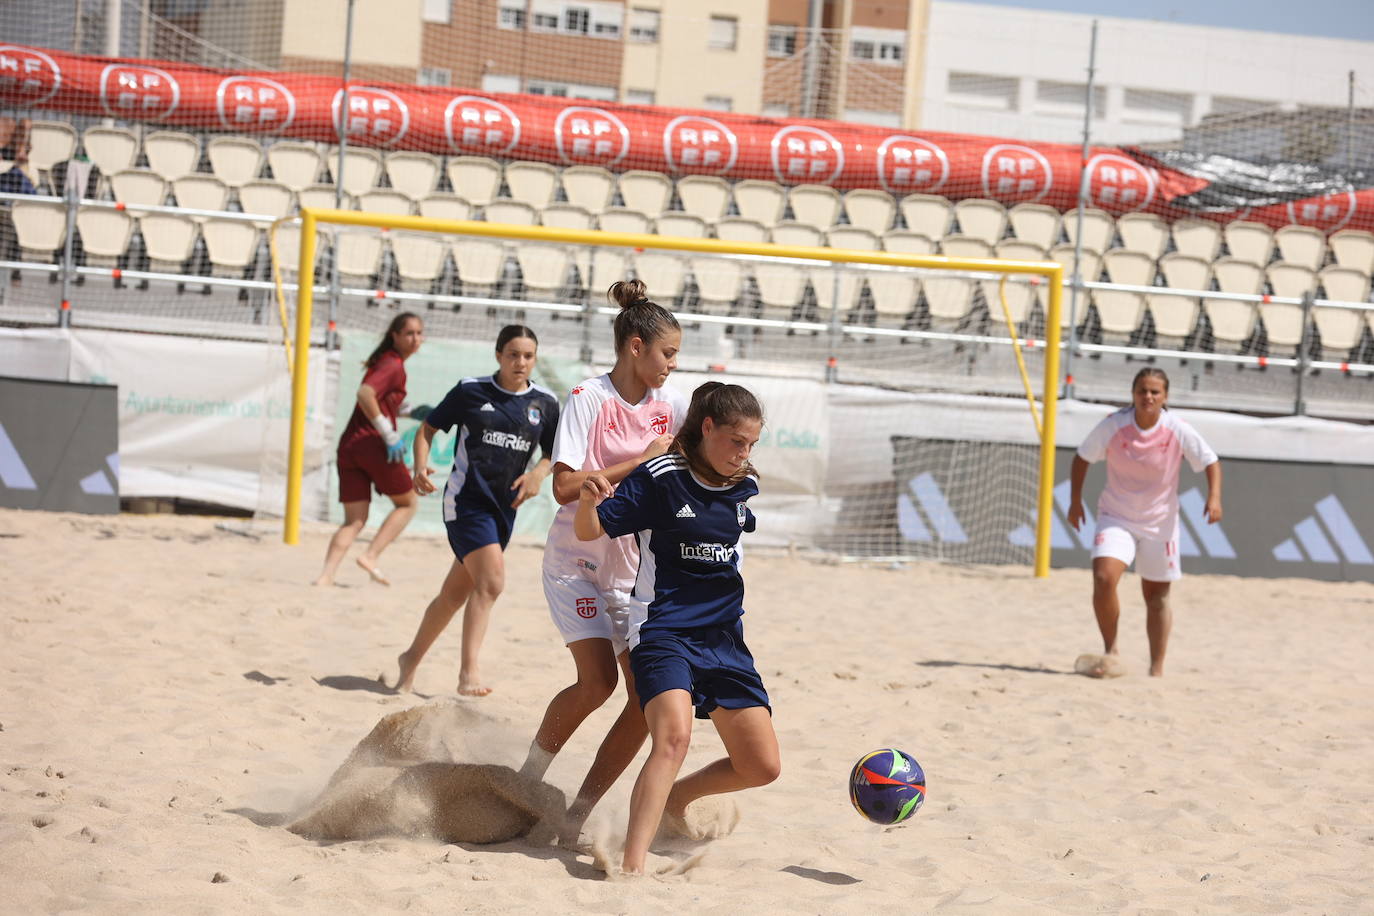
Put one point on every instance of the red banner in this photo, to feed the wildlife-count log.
(675, 141)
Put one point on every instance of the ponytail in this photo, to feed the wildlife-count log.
(639, 316)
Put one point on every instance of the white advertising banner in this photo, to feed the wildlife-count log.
(204, 419)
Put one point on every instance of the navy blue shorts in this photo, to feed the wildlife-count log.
(473, 529)
(710, 663)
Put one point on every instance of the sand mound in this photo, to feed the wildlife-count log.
(408, 777)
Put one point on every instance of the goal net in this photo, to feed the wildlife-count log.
(902, 389)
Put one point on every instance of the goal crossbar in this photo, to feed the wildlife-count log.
(312, 217)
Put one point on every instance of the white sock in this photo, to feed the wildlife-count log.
(537, 763)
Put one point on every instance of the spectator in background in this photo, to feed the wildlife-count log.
(14, 149)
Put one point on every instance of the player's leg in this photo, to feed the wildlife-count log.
(753, 758)
(669, 717)
(1159, 620)
(596, 680)
(457, 585)
(487, 567)
(355, 517)
(617, 751)
(1107, 572)
(1158, 565)
(403, 506)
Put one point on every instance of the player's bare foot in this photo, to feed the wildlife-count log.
(371, 569)
(324, 580)
(472, 687)
(405, 681)
(1091, 664)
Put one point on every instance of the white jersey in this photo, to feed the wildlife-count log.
(1142, 469)
(597, 429)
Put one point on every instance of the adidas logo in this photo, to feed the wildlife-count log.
(1314, 540)
(937, 512)
(686, 512)
(1196, 538)
(487, 406)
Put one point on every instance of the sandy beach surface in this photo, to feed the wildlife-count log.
(173, 692)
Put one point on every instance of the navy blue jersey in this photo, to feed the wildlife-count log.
(497, 431)
(688, 543)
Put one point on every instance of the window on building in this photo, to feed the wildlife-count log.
(436, 76)
(436, 11)
(499, 82)
(723, 34)
(982, 90)
(1149, 106)
(644, 24)
(880, 118)
(1057, 99)
(511, 17)
(639, 97)
(862, 50)
(891, 53)
(606, 29)
(777, 110)
(718, 103)
(571, 90)
(782, 40)
(546, 22)
(577, 19)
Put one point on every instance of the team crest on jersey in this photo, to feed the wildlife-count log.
(659, 424)
(739, 514)
(534, 415)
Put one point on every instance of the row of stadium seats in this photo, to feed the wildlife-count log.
(232, 248)
(466, 186)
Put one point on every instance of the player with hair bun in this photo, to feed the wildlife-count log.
(611, 424)
(501, 419)
(371, 452)
(1137, 515)
(688, 509)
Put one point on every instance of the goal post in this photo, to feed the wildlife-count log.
(312, 219)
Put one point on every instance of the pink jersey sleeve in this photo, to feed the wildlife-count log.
(1094, 448)
(1195, 448)
(574, 426)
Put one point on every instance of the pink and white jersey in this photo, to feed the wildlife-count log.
(597, 429)
(1142, 469)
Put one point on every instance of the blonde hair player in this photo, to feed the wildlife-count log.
(371, 452)
(609, 426)
(688, 510)
(1137, 514)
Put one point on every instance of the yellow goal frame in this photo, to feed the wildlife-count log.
(312, 217)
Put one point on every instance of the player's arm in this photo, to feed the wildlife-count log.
(424, 440)
(1077, 474)
(567, 483)
(587, 523)
(527, 485)
(368, 404)
(1213, 508)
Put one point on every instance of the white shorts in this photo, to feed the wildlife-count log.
(581, 610)
(1155, 561)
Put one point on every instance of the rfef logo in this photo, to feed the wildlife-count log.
(255, 103)
(907, 165)
(586, 608)
(135, 91)
(1327, 213)
(692, 143)
(806, 155)
(659, 424)
(590, 136)
(27, 77)
(1015, 173)
(477, 125)
(377, 116)
(1118, 183)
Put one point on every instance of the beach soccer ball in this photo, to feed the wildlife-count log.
(887, 786)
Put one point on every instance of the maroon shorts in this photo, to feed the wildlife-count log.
(362, 464)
